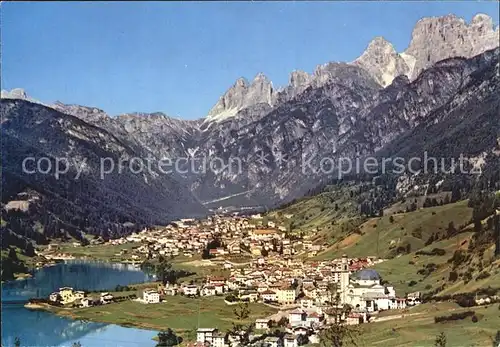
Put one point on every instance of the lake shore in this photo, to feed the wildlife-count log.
(179, 313)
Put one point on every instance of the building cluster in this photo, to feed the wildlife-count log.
(277, 271)
(69, 296)
(237, 235)
(311, 296)
(214, 338)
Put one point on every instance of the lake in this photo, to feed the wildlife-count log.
(39, 328)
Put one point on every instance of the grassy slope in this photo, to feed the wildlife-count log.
(420, 329)
(98, 252)
(400, 232)
(318, 212)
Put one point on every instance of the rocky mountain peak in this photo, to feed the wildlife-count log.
(382, 61)
(433, 39)
(242, 95)
(299, 79)
(16, 93)
(437, 38)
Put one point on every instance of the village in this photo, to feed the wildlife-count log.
(262, 263)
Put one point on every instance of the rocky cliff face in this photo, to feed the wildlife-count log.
(383, 62)
(433, 39)
(340, 110)
(437, 38)
(99, 188)
(240, 96)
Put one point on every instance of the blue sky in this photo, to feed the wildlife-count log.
(179, 58)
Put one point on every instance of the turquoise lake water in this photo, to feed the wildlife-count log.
(39, 328)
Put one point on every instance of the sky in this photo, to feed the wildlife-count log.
(180, 57)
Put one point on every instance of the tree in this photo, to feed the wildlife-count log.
(12, 254)
(17, 342)
(302, 340)
(240, 330)
(168, 338)
(337, 334)
(455, 194)
(440, 340)
(76, 344)
(451, 229)
(496, 341)
(283, 322)
(391, 219)
(29, 250)
(163, 270)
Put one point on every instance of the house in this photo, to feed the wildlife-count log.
(261, 324)
(86, 302)
(354, 319)
(289, 341)
(208, 291)
(271, 341)
(78, 295)
(171, 291)
(397, 303)
(286, 296)
(53, 296)
(413, 299)
(205, 335)
(190, 290)
(268, 295)
(312, 319)
(216, 280)
(263, 234)
(218, 340)
(296, 317)
(306, 302)
(67, 295)
(300, 330)
(151, 296)
(106, 298)
(234, 248)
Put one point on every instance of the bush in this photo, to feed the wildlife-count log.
(458, 258)
(453, 276)
(454, 316)
(412, 283)
(434, 251)
(466, 301)
(482, 276)
(474, 319)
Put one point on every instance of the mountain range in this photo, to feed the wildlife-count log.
(440, 95)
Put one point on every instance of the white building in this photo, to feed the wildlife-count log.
(366, 293)
(151, 296)
(191, 290)
(290, 341)
(261, 324)
(204, 335)
(271, 341)
(218, 340)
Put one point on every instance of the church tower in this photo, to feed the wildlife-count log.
(344, 278)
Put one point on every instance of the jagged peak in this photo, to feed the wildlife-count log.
(299, 77)
(260, 77)
(241, 82)
(20, 94)
(482, 18)
(380, 41)
(16, 93)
